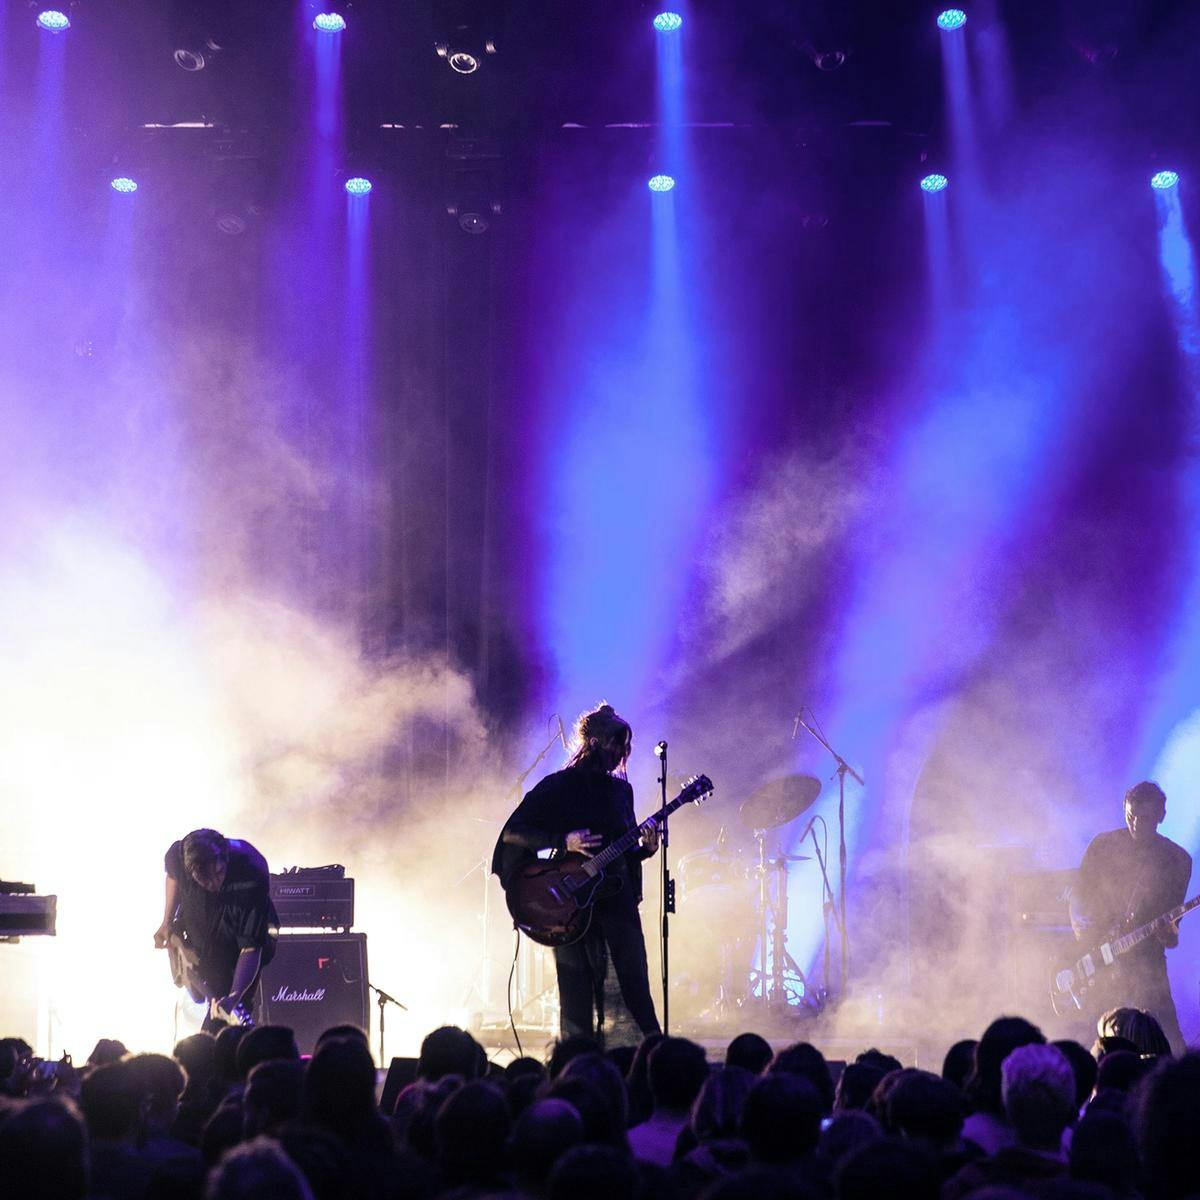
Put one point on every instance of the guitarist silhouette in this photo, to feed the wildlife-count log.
(1129, 877)
(580, 810)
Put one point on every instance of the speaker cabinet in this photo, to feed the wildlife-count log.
(314, 981)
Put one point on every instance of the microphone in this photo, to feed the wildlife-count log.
(796, 725)
(660, 750)
(562, 733)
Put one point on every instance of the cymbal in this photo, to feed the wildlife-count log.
(779, 801)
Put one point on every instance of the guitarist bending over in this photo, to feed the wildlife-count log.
(218, 906)
(583, 808)
(1128, 877)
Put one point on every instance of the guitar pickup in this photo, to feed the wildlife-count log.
(1089, 967)
(1107, 954)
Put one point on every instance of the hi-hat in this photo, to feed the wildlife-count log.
(780, 801)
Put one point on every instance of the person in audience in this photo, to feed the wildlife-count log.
(106, 1050)
(567, 1048)
(272, 1097)
(987, 1125)
(1038, 1095)
(1137, 1026)
(159, 1083)
(898, 1169)
(710, 1146)
(1084, 1067)
(470, 1135)
(602, 1073)
(926, 1110)
(448, 1051)
(257, 1170)
(750, 1051)
(677, 1071)
(202, 1092)
(590, 1172)
(43, 1152)
(262, 1044)
(959, 1062)
(781, 1125)
(637, 1078)
(856, 1086)
(541, 1135)
(1103, 1151)
(600, 1125)
(228, 1040)
(809, 1063)
(1166, 1127)
(843, 1132)
(110, 1102)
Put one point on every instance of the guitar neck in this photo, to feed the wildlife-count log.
(1128, 940)
(630, 838)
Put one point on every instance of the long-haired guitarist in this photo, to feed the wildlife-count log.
(218, 919)
(583, 808)
(1128, 877)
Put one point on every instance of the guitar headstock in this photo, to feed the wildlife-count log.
(696, 790)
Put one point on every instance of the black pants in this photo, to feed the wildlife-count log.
(616, 934)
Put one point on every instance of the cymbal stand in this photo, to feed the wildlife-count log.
(843, 769)
(773, 972)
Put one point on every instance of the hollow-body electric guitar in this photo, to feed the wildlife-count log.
(1071, 983)
(551, 899)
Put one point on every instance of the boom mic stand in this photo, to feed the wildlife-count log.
(383, 1000)
(668, 890)
(843, 769)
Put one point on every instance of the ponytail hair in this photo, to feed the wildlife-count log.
(596, 731)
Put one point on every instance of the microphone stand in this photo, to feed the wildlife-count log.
(828, 904)
(383, 1000)
(668, 890)
(843, 769)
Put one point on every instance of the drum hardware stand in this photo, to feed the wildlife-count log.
(843, 769)
(772, 975)
(668, 889)
(383, 1000)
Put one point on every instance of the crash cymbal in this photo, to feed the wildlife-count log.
(778, 802)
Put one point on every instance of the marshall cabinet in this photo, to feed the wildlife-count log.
(314, 981)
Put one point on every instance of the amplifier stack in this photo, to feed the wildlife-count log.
(318, 978)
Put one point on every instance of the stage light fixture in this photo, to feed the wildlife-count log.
(54, 21)
(465, 56)
(661, 183)
(951, 19)
(358, 186)
(329, 22)
(1161, 181)
(124, 185)
(196, 58)
(934, 183)
(668, 22)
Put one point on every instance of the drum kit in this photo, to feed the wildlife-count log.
(739, 894)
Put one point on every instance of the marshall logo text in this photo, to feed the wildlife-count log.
(287, 995)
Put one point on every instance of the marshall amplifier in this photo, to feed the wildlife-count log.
(313, 898)
(314, 981)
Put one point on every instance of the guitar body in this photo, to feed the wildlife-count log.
(551, 900)
(185, 973)
(1092, 981)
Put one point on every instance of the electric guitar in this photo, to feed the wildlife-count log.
(184, 960)
(1071, 983)
(551, 899)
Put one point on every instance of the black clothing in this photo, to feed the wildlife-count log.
(1123, 884)
(581, 798)
(220, 925)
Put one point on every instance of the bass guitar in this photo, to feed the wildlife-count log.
(551, 900)
(185, 972)
(1071, 983)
